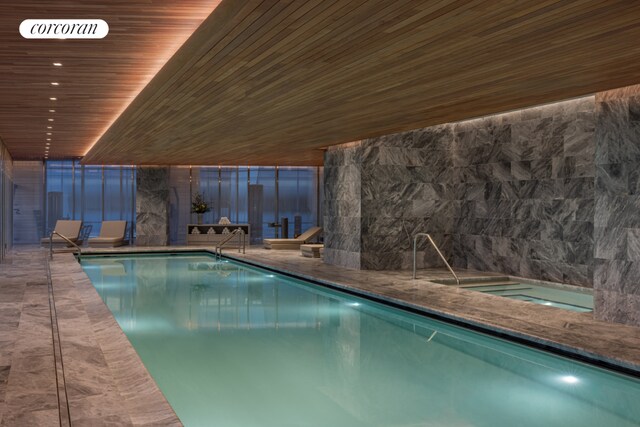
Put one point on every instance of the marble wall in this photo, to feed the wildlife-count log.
(407, 188)
(152, 206)
(524, 182)
(511, 193)
(617, 206)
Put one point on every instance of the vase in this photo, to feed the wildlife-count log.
(199, 218)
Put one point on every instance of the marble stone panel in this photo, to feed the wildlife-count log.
(152, 206)
(526, 177)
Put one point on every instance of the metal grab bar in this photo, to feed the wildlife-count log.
(415, 242)
(241, 242)
(64, 238)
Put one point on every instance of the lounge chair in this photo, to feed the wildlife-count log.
(112, 234)
(292, 243)
(68, 228)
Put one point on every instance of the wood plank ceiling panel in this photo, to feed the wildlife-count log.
(97, 79)
(274, 81)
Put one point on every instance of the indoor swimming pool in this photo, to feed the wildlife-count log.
(234, 345)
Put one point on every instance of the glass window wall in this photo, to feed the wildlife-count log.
(261, 196)
(91, 194)
(6, 201)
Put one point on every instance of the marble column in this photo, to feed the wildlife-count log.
(152, 206)
(617, 209)
(342, 214)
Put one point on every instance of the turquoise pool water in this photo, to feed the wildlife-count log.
(230, 345)
(544, 295)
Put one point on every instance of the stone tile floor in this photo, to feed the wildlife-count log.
(103, 382)
(28, 388)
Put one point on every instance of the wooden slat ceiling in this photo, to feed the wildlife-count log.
(98, 79)
(272, 82)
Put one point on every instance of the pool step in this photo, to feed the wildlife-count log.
(503, 286)
(505, 292)
(488, 285)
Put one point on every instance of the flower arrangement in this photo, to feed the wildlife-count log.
(198, 205)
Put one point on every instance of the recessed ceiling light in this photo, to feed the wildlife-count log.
(55, 84)
(48, 133)
(48, 139)
(53, 99)
(48, 143)
(57, 64)
(50, 120)
(49, 127)
(52, 111)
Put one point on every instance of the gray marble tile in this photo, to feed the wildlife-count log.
(617, 307)
(632, 244)
(542, 161)
(28, 393)
(152, 204)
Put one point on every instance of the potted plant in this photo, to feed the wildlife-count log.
(199, 206)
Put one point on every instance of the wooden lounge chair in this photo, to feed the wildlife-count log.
(68, 228)
(112, 234)
(292, 243)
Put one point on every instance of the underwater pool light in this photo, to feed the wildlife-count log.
(569, 379)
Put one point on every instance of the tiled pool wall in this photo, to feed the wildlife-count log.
(546, 193)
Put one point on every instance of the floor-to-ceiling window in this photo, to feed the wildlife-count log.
(263, 203)
(297, 198)
(6, 200)
(91, 194)
(28, 202)
(263, 196)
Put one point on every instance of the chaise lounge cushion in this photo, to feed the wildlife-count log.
(68, 228)
(292, 243)
(111, 234)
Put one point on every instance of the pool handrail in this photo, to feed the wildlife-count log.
(65, 238)
(241, 242)
(415, 242)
